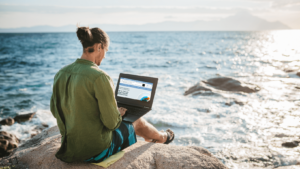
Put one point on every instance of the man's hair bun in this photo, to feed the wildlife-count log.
(88, 37)
(84, 34)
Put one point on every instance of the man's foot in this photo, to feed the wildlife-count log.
(167, 137)
(170, 136)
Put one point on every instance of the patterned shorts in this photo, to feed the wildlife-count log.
(123, 137)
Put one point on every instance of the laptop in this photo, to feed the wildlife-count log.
(136, 94)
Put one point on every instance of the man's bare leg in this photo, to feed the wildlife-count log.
(148, 131)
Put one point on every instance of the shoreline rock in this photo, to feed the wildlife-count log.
(292, 144)
(39, 152)
(24, 117)
(8, 121)
(224, 84)
(8, 142)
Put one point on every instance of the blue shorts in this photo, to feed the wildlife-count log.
(123, 137)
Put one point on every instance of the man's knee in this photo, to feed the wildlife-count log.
(139, 123)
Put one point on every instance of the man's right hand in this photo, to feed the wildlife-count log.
(122, 110)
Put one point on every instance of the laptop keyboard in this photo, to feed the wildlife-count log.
(133, 110)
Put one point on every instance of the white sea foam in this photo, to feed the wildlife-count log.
(24, 130)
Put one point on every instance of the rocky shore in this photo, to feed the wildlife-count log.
(9, 141)
(40, 149)
(39, 152)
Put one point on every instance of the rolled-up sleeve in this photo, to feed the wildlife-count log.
(104, 94)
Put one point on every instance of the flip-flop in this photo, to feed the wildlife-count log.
(169, 132)
(169, 140)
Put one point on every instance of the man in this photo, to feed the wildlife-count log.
(86, 111)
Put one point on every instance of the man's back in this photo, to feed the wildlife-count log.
(82, 98)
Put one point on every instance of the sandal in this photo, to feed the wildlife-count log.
(169, 139)
(169, 135)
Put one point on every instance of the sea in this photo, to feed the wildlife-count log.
(247, 135)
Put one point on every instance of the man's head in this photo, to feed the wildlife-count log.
(95, 43)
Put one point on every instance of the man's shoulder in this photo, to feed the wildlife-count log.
(63, 69)
(86, 71)
(66, 67)
(96, 72)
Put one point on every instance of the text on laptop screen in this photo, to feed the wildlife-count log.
(134, 89)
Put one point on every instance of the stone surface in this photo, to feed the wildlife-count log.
(282, 135)
(9, 121)
(39, 152)
(298, 74)
(8, 142)
(291, 144)
(24, 117)
(238, 102)
(225, 84)
(198, 87)
(228, 103)
(230, 84)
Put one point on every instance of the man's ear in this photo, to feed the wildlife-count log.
(99, 46)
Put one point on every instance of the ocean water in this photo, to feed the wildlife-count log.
(241, 136)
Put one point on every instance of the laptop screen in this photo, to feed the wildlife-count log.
(135, 89)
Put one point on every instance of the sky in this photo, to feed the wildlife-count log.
(21, 13)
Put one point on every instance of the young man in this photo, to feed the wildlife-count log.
(84, 105)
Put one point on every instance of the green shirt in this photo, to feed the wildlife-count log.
(85, 108)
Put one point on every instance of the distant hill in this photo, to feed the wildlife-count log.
(242, 21)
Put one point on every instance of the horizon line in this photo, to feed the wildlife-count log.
(165, 31)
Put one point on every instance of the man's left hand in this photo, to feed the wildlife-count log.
(122, 110)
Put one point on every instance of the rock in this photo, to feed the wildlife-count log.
(198, 87)
(45, 125)
(291, 69)
(225, 84)
(8, 142)
(230, 103)
(32, 135)
(24, 117)
(290, 144)
(9, 121)
(298, 74)
(203, 110)
(41, 127)
(297, 87)
(281, 135)
(240, 102)
(39, 152)
(230, 84)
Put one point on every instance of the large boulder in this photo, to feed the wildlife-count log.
(225, 84)
(39, 152)
(8, 121)
(8, 142)
(292, 144)
(24, 117)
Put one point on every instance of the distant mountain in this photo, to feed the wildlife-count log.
(44, 28)
(242, 21)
